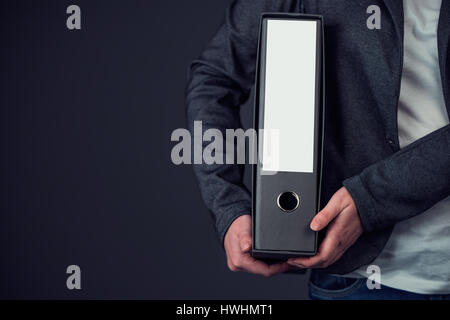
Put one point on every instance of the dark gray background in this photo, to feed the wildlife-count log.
(86, 176)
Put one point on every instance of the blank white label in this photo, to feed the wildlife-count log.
(290, 85)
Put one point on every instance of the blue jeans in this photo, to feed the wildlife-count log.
(328, 287)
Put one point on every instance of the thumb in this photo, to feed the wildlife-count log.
(245, 242)
(326, 215)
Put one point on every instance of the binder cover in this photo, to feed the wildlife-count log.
(289, 107)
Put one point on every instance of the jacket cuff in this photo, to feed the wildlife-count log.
(229, 215)
(364, 203)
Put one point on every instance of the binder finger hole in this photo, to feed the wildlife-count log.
(288, 201)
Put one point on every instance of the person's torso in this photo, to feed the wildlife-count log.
(417, 256)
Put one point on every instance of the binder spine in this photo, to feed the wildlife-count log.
(269, 242)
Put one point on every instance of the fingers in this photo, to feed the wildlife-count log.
(239, 259)
(245, 242)
(252, 265)
(327, 214)
(324, 257)
(238, 243)
(248, 264)
(344, 228)
(340, 236)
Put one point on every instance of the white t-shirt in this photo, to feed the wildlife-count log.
(417, 256)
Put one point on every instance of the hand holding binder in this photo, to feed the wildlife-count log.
(238, 244)
(341, 234)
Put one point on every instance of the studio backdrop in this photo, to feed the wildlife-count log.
(88, 186)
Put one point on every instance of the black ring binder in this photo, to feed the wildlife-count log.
(281, 218)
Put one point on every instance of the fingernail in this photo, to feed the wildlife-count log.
(314, 226)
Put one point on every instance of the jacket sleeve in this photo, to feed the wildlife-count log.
(405, 184)
(220, 82)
